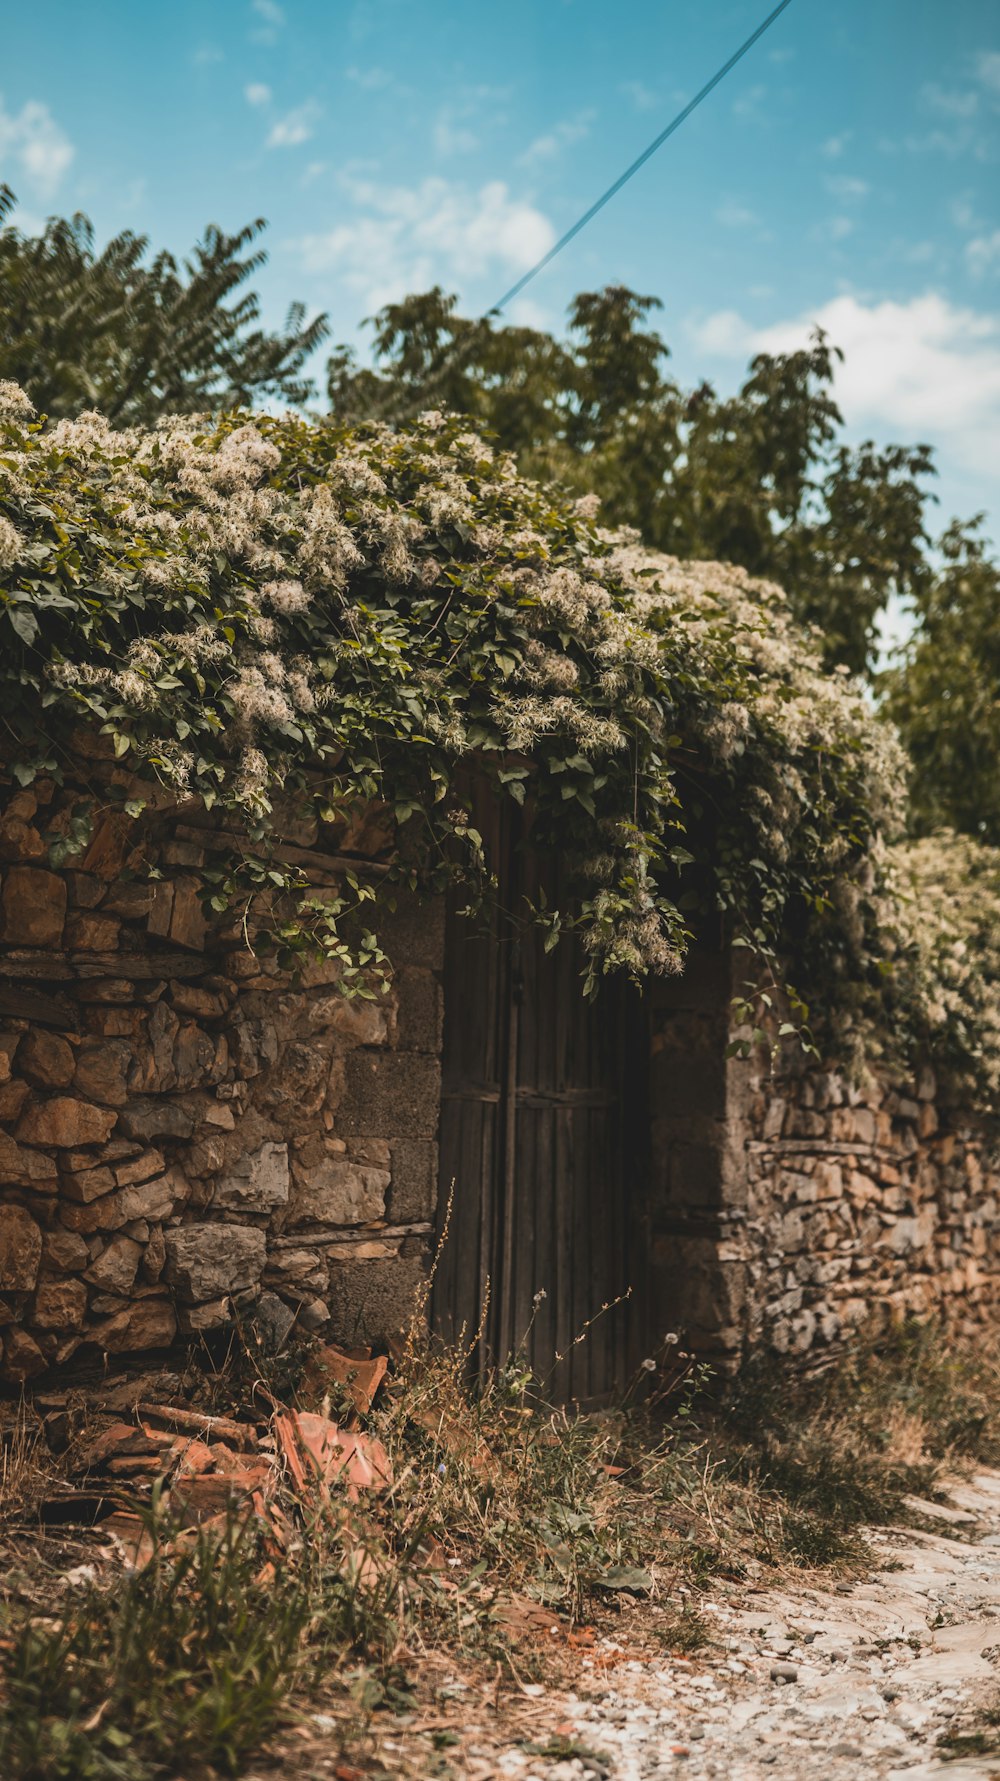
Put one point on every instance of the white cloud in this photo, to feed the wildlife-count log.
(950, 103)
(832, 229)
(406, 238)
(988, 69)
(257, 93)
(982, 252)
(555, 141)
(370, 80)
(924, 369)
(751, 104)
(735, 216)
(451, 137)
(842, 186)
(834, 146)
(272, 17)
(295, 128)
(641, 97)
(37, 146)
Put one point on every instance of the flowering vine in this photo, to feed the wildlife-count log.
(267, 613)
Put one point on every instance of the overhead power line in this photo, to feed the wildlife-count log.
(459, 350)
(640, 161)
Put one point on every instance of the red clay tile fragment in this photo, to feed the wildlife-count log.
(360, 1374)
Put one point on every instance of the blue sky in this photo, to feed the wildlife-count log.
(848, 171)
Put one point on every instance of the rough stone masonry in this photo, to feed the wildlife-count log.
(188, 1135)
(185, 1133)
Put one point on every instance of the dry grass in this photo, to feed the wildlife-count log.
(507, 1521)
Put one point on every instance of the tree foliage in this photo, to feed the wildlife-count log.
(944, 694)
(110, 329)
(762, 479)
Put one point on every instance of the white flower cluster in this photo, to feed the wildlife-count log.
(242, 601)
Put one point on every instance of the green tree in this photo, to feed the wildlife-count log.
(761, 479)
(111, 329)
(945, 692)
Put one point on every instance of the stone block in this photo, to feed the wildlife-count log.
(390, 1094)
(148, 1323)
(85, 1185)
(20, 1249)
(207, 1261)
(46, 1060)
(65, 1122)
(413, 1186)
(154, 1255)
(22, 1357)
(351, 1020)
(298, 1079)
(64, 1252)
(774, 1118)
(33, 907)
(60, 1305)
(140, 1168)
(131, 901)
(413, 932)
(116, 1267)
(102, 1071)
(88, 932)
(338, 1191)
(212, 1315)
(12, 1098)
(156, 1117)
(257, 1182)
(152, 1200)
(272, 1322)
(177, 914)
(420, 1010)
(374, 1301)
(299, 1272)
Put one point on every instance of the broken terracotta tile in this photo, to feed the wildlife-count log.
(317, 1452)
(359, 1373)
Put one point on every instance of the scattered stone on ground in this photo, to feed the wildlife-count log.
(855, 1684)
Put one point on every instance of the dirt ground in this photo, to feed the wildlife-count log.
(882, 1678)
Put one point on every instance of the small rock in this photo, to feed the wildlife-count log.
(258, 1182)
(20, 1249)
(116, 1267)
(34, 907)
(149, 1323)
(46, 1060)
(273, 1320)
(22, 1357)
(65, 1122)
(315, 1315)
(60, 1305)
(784, 1673)
(209, 1261)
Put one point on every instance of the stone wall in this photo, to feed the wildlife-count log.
(185, 1133)
(864, 1206)
(790, 1210)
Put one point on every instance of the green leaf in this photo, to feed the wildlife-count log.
(24, 623)
(633, 1579)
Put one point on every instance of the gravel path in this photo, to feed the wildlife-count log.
(858, 1683)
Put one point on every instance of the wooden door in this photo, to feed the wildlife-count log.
(542, 1133)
